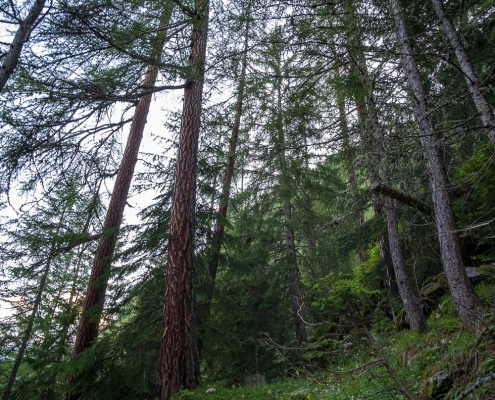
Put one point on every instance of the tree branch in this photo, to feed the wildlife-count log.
(401, 197)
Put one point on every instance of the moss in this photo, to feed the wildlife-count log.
(486, 270)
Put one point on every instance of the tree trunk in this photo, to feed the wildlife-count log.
(296, 290)
(297, 307)
(367, 113)
(178, 322)
(22, 36)
(409, 299)
(398, 279)
(472, 80)
(95, 295)
(463, 295)
(229, 172)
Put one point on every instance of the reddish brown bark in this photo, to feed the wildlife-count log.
(95, 294)
(177, 349)
(465, 299)
(21, 37)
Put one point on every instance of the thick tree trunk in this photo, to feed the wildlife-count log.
(21, 37)
(472, 80)
(178, 322)
(464, 297)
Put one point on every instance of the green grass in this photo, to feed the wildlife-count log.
(293, 389)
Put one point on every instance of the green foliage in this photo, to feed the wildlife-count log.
(339, 293)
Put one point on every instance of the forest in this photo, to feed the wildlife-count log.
(247, 199)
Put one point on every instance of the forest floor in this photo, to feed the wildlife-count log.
(446, 361)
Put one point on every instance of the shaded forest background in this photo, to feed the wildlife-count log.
(327, 181)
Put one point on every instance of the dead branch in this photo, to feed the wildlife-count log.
(401, 197)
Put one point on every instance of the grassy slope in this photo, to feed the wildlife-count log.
(414, 357)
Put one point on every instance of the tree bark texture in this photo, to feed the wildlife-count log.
(178, 321)
(472, 79)
(95, 294)
(463, 295)
(367, 113)
(21, 37)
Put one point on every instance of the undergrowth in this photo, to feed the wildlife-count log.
(442, 362)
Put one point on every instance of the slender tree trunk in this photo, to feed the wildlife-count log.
(95, 295)
(397, 276)
(219, 230)
(29, 328)
(390, 249)
(229, 172)
(406, 292)
(344, 129)
(296, 289)
(472, 80)
(21, 37)
(178, 318)
(465, 299)
(64, 331)
(297, 306)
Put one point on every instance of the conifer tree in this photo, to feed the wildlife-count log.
(374, 141)
(57, 240)
(465, 299)
(179, 363)
(95, 295)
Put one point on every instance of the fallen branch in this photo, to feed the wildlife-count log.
(478, 383)
(401, 197)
